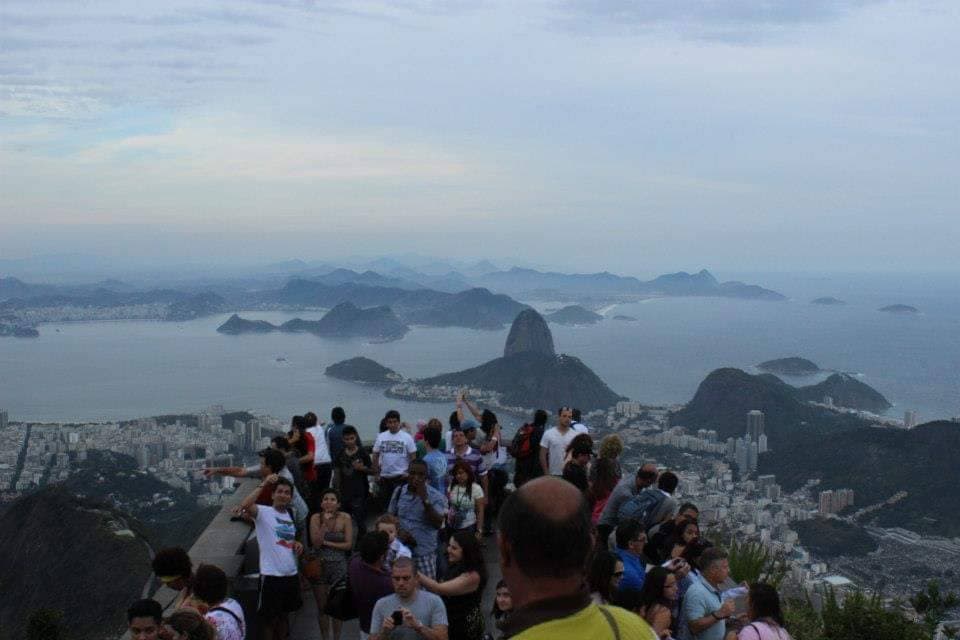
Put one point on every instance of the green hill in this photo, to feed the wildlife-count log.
(726, 395)
(876, 464)
(167, 516)
(846, 391)
(63, 553)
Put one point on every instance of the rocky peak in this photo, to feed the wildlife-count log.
(529, 333)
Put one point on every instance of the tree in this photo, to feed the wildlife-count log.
(863, 617)
(46, 624)
(933, 605)
(752, 562)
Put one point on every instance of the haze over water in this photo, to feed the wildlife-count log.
(119, 370)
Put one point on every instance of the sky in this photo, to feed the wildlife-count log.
(588, 135)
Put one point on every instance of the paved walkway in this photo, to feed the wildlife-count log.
(304, 624)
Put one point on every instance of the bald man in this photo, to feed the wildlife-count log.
(625, 489)
(545, 540)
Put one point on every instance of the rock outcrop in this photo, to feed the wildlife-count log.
(529, 334)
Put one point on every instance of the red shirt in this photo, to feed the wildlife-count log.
(309, 471)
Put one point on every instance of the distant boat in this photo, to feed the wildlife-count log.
(281, 359)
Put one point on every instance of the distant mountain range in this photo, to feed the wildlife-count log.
(518, 281)
(473, 298)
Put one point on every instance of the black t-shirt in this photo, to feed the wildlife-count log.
(576, 475)
(352, 482)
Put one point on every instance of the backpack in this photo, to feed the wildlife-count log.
(523, 445)
(642, 507)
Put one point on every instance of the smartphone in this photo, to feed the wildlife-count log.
(397, 618)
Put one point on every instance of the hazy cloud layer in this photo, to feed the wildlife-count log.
(621, 135)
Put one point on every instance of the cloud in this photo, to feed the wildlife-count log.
(232, 149)
(730, 20)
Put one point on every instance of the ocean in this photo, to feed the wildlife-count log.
(116, 370)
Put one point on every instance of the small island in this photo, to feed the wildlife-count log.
(794, 366)
(900, 309)
(363, 370)
(346, 320)
(17, 331)
(343, 321)
(626, 318)
(828, 301)
(574, 315)
(236, 326)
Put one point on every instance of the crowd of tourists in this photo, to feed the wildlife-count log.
(393, 535)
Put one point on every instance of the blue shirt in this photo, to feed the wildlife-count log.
(634, 571)
(437, 470)
(701, 599)
(413, 517)
(335, 438)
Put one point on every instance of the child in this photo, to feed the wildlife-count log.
(390, 524)
(502, 604)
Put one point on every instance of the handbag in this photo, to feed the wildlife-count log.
(311, 567)
(340, 603)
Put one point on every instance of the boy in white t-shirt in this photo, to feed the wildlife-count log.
(393, 451)
(279, 549)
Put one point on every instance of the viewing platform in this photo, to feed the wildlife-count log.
(231, 545)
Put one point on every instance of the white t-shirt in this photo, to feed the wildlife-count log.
(556, 445)
(495, 457)
(400, 550)
(229, 627)
(463, 507)
(321, 450)
(394, 450)
(276, 534)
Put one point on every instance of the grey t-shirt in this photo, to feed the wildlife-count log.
(426, 607)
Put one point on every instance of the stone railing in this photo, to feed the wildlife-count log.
(223, 543)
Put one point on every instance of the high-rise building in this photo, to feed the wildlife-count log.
(910, 419)
(826, 502)
(753, 456)
(828, 400)
(755, 425)
(4, 420)
(252, 434)
(762, 443)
